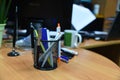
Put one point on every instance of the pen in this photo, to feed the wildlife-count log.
(58, 30)
(64, 58)
(45, 59)
(69, 51)
(38, 46)
(50, 59)
(47, 51)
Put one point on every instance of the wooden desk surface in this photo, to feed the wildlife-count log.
(92, 43)
(109, 49)
(86, 66)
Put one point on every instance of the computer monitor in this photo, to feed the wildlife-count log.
(50, 11)
(96, 25)
(114, 32)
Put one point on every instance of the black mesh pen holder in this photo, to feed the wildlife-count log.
(46, 54)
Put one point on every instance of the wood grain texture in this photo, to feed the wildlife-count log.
(86, 66)
(109, 49)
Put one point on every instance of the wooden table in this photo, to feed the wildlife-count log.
(87, 65)
(109, 49)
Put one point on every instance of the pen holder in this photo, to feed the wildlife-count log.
(46, 55)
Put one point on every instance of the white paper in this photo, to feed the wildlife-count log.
(81, 17)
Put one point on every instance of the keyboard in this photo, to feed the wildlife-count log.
(98, 35)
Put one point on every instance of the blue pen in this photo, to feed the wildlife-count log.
(64, 58)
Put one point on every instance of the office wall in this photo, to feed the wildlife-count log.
(107, 7)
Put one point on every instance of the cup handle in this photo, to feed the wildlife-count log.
(78, 40)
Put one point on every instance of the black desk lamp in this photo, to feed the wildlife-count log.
(13, 52)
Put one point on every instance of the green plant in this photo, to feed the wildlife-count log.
(4, 8)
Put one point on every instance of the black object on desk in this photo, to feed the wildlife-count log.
(101, 35)
(96, 25)
(112, 34)
(13, 52)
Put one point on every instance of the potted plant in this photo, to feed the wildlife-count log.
(4, 8)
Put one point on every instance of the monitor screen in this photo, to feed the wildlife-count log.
(50, 11)
(114, 32)
(86, 0)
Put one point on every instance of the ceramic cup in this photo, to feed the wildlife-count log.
(72, 38)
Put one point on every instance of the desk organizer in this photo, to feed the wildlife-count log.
(46, 56)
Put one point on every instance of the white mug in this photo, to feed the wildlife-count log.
(72, 38)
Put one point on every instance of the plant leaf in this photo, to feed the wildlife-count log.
(4, 8)
(7, 8)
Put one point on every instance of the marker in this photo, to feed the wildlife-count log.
(58, 30)
(64, 58)
(44, 36)
(69, 51)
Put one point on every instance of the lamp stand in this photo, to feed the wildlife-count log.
(13, 52)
